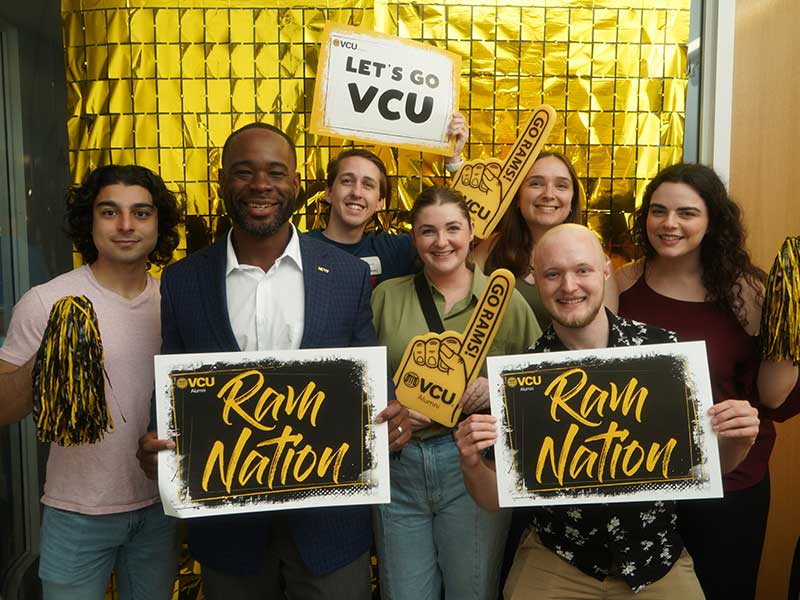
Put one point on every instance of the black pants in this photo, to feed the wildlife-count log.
(725, 538)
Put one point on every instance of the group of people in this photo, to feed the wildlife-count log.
(266, 286)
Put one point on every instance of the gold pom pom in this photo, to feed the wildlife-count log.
(69, 404)
(779, 333)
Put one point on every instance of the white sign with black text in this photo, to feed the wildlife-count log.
(382, 89)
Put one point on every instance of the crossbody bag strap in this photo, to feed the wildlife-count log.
(425, 298)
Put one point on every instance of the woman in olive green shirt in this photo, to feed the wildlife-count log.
(432, 534)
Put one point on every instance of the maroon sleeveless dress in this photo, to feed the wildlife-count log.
(732, 361)
(724, 536)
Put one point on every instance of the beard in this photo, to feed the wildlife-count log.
(579, 321)
(260, 228)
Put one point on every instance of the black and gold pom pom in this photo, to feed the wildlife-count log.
(69, 404)
(779, 333)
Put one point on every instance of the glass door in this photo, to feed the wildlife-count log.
(19, 474)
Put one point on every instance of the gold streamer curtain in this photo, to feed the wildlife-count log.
(161, 83)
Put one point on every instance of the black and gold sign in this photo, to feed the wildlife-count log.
(270, 434)
(607, 428)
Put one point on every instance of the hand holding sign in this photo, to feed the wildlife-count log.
(476, 396)
(458, 132)
(736, 424)
(473, 436)
(489, 184)
(437, 368)
(383, 89)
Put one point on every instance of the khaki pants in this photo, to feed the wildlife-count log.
(540, 574)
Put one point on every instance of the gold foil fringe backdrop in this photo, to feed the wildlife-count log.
(162, 84)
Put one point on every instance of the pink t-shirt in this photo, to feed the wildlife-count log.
(104, 477)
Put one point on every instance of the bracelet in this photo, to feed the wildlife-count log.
(453, 168)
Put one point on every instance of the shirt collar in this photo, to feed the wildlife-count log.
(478, 283)
(616, 335)
(292, 252)
(553, 343)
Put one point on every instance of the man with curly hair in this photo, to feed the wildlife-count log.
(100, 512)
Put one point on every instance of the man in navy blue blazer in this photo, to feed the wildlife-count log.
(265, 286)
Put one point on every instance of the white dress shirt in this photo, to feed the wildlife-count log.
(267, 310)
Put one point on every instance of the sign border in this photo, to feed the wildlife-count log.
(508, 476)
(317, 126)
(173, 495)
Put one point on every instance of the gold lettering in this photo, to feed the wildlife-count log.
(271, 402)
(308, 399)
(595, 463)
(328, 457)
(285, 459)
(629, 451)
(217, 456)
(588, 405)
(576, 466)
(630, 395)
(595, 399)
(298, 464)
(233, 401)
(559, 398)
(607, 438)
(548, 448)
(665, 452)
(280, 443)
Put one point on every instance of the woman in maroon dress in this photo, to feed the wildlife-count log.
(697, 279)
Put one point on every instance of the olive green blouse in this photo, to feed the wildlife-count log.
(530, 292)
(398, 318)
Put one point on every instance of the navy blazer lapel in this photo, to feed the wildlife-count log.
(317, 291)
(214, 296)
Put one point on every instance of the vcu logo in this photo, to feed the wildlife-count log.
(345, 44)
(437, 392)
(195, 382)
(410, 379)
(523, 380)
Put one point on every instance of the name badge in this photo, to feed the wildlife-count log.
(374, 263)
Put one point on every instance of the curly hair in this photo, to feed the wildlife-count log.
(514, 244)
(723, 255)
(80, 206)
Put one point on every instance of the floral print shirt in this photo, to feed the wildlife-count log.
(638, 541)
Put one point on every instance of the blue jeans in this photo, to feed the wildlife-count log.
(433, 533)
(79, 552)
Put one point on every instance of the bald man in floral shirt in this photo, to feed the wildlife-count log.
(601, 550)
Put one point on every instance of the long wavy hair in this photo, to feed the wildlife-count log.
(724, 257)
(514, 244)
(80, 205)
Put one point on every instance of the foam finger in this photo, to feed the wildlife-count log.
(418, 353)
(526, 148)
(485, 320)
(432, 353)
(477, 175)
